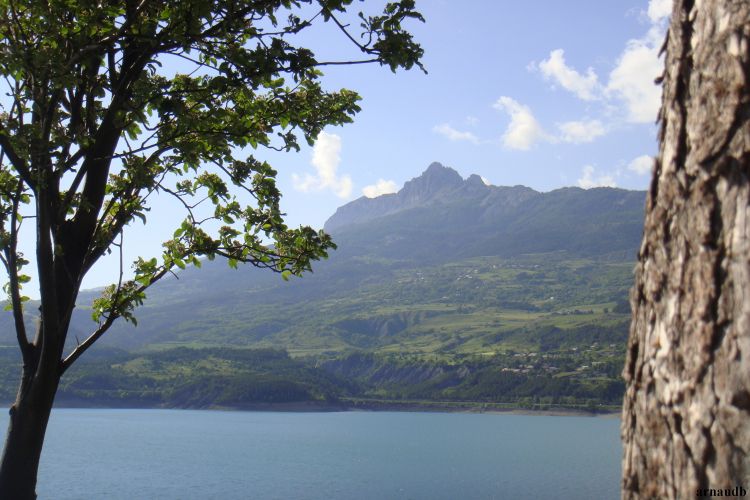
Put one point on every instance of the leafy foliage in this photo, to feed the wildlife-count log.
(95, 126)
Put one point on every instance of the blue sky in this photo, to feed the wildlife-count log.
(542, 93)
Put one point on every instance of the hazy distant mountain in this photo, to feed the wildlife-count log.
(401, 269)
(439, 215)
(437, 185)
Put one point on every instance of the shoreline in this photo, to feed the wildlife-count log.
(478, 407)
(369, 405)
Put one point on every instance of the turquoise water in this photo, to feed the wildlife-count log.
(179, 454)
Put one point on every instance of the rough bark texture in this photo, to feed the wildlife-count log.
(27, 425)
(686, 415)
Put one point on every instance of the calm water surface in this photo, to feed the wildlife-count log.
(178, 454)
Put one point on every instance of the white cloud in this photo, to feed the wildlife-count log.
(581, 131)
(455, 135)
(325, 158)
(586, 86)
(472, 121)
(633, 80)
(485, 181)
(381, 187)
(639, 65)
(523, 130)
(642, 165)
(588, 179)
(659, 9)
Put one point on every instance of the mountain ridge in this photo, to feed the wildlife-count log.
(438, 216)
(425, 189)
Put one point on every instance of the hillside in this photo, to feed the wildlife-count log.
(406, 264)
(445, 276)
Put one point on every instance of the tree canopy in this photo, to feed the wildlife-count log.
(95, 122)
(92, 126)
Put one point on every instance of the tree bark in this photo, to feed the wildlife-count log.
(686, 413)
(29, 416)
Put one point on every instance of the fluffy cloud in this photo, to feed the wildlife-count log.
(589, 180)
(581, 131)
(381, 187)
(639, 65)
(632, 80)
(642, 165)
(585, 86)
(523, 130)
(325, 159)
(659, 10)
(455, 135)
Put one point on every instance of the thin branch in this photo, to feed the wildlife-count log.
(348, 35)
(119, 279)
(346, 63)
(112, 67)
(236, 182)
(18, 24)
(71, 192)
(194, 61)
(15, 294)
(179, 198)
(83, 346)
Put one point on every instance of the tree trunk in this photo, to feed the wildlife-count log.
(29, 416)
(686, 414)
(23, 445)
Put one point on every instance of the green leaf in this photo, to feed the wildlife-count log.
(182, 134)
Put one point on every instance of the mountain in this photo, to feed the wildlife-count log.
(439, 216)
(438, 184)
(445, 266)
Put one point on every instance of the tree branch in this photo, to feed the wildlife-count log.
(83, 346)
(361, 47)
(18, 163)
(48, 335)
(11, 265)
(346, 63)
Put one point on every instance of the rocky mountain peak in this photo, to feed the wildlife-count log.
(436, 185)
(435, 179)
(475, 180)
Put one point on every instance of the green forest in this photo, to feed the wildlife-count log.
(538, 331)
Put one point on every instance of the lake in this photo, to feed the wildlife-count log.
(181, 454)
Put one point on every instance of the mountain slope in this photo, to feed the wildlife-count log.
(445, 265)
(438, 185)
(439, 216)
